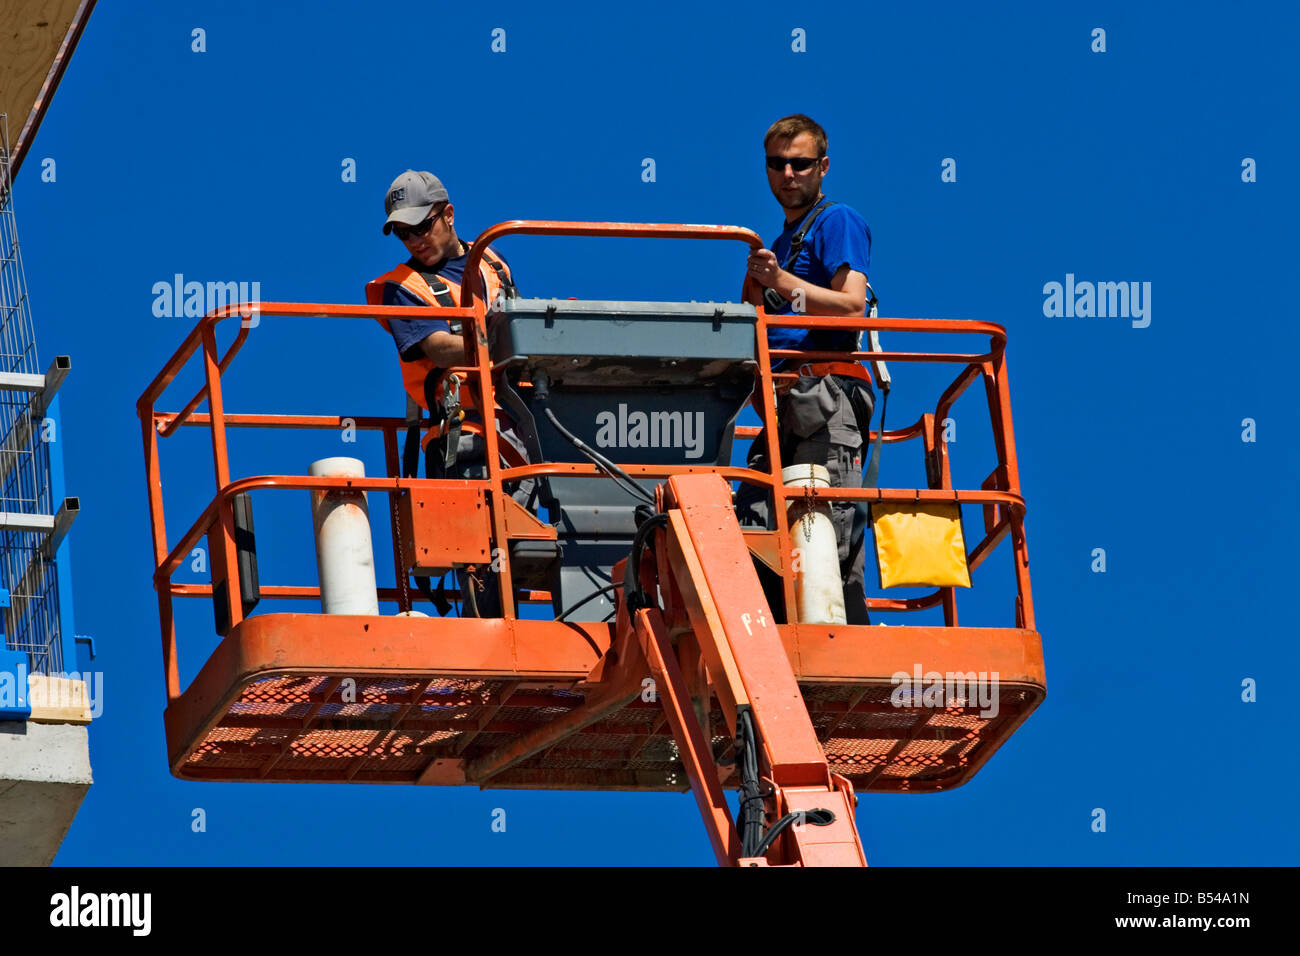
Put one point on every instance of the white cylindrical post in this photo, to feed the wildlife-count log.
(344, 556)
(819, 592)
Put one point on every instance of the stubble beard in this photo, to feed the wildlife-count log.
(803, 198)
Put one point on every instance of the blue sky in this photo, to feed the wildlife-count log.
(1117, 166)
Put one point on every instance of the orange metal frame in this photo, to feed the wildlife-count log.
(510, 702)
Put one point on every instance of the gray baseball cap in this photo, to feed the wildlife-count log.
(411, 197)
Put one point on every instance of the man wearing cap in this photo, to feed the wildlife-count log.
(422, 216)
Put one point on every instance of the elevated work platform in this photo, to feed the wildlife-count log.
(663, 661)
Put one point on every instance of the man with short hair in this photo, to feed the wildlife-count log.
(817, 265)
(421, 215)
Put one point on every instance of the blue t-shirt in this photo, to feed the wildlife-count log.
(838, 237)
(409, 333)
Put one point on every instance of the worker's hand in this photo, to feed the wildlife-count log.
(764, 268)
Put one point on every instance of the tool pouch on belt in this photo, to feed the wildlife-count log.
(817, 408)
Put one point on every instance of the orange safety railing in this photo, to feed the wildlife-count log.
(999, 494)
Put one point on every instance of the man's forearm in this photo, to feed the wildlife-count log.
(443, 349)
(816, 299)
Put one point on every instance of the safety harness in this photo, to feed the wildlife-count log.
(429, 286)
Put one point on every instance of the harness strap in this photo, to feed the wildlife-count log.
(411, 448)
(503, 277)
(873, 466)
(873, 341)
(796, 241)
(845, 369)
(441, 291)
(771, 298)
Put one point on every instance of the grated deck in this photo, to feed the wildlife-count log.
(318, 728)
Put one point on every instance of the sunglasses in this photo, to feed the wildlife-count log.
(406, 232)
(799, 164)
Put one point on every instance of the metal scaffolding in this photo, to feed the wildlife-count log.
(30, 530)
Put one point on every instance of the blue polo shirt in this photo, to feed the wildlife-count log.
(409, 333)
(838, 237)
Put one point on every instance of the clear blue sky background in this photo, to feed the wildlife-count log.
(1126, 165)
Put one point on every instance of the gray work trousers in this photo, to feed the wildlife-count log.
(822, 421)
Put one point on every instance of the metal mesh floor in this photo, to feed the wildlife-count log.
(390, 730)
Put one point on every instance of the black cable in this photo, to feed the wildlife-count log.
(818, 818)
(542, 395)
(590, 597)
(753, 841)
(751, 799)
(621, 477)
(633, 596)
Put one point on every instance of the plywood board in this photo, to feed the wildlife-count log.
(31, 33)
(58, 700)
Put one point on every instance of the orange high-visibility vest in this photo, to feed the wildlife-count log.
(496, 276)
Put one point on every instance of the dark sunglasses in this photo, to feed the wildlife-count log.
(406, 232)
(798, 163)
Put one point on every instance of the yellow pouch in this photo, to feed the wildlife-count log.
(920, 545)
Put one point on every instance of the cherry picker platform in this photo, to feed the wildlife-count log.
(697, 682)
